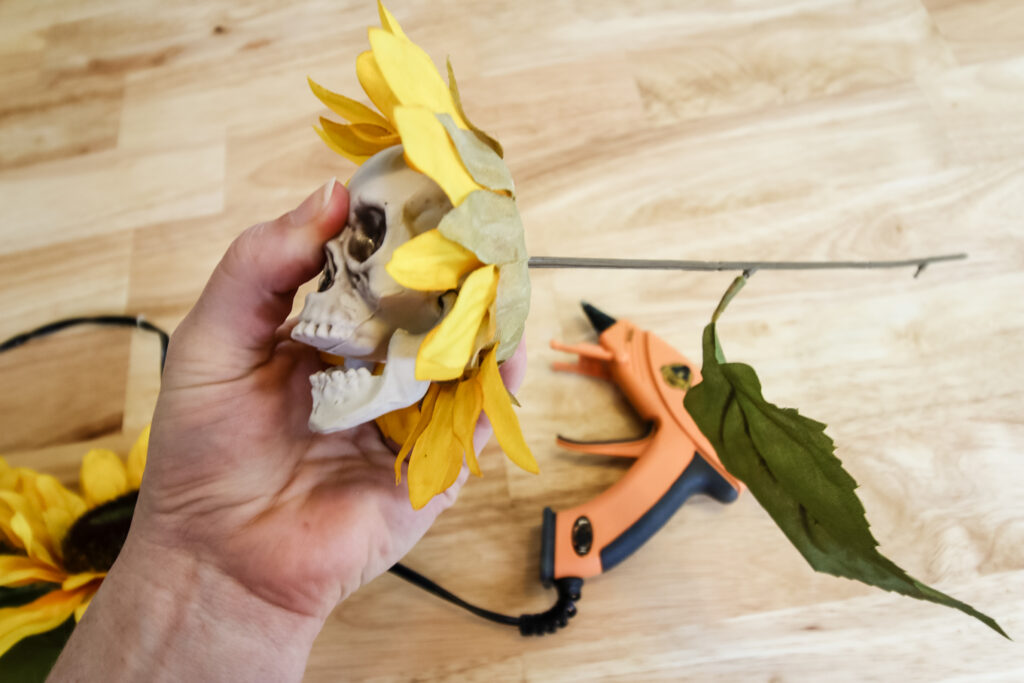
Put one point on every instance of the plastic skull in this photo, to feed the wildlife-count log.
(359, 311)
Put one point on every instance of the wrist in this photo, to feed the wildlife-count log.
(163, 614)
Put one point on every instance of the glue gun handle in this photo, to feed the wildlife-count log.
(698, 477)
(570, 544)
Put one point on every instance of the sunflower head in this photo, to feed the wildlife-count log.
(477, 251)
(61, 541)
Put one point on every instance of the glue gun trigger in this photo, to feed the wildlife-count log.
(632, 448)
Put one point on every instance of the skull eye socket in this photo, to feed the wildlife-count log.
(368, 232)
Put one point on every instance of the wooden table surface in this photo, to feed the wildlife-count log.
(137, 138)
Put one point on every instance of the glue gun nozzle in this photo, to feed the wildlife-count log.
(599, 319)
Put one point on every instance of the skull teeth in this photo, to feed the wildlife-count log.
(313, 330)
(339, 382)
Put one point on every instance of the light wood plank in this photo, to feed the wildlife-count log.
(138, 138)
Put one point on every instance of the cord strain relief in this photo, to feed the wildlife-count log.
(569, 591)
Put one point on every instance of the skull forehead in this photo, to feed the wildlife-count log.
(385, 180)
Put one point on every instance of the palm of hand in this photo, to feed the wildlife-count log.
(299, 519)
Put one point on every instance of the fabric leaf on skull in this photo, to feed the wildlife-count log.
(477, 251)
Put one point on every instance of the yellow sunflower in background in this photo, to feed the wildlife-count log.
(53, 537)
(478, 250)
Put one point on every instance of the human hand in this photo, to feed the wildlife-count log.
(238, 494)
(234, 474)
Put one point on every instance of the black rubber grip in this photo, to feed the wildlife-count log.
(547, 548)
(698, 477)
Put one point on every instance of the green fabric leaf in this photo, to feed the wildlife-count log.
(453, 87)
(482, 163)
(487, 224)
(31, 659)
(511, 306)
(788, 463)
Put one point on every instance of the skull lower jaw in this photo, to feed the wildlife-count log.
(344, 397)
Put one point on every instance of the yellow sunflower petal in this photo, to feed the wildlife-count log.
(82, 578)
(8, 476)
(382, 137)
(30, 493)
(331, 359)
(469, 401)
(486, 335)
(20, 532)
(33, 539)
(58, 522)
(499, 409)
(25, 479)
(103, 476)
(338, 149)
(7, 534)
(398, 424)
(56, 496)
(426, 411)
(431, 263)
(374, 85)
(17, 570)
(22, 525)
(39, 616)
(453, 87)
(388, 21)
(37, 513)
(347, 108)
(80, 610)
(15, 478)
(435, 461)
(345, 138)
(411, 75)
(447, 349)
(136, 464)
(429, 150)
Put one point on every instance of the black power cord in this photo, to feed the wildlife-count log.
(538, 624)
(112, 320)
(549, 621)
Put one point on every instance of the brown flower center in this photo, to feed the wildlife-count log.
(96, 538)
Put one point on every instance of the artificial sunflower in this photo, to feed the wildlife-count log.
(478, 250)
(53, 537)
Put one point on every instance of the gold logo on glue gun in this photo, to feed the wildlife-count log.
(676, 375)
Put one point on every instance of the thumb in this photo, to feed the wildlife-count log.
(231, 329)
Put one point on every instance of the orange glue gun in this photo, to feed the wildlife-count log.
(674, 460)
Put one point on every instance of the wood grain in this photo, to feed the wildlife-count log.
(137, 138)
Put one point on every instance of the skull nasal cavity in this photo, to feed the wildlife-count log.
(368, 233)
(327, 279)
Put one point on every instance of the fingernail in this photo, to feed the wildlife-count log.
(315, 203)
